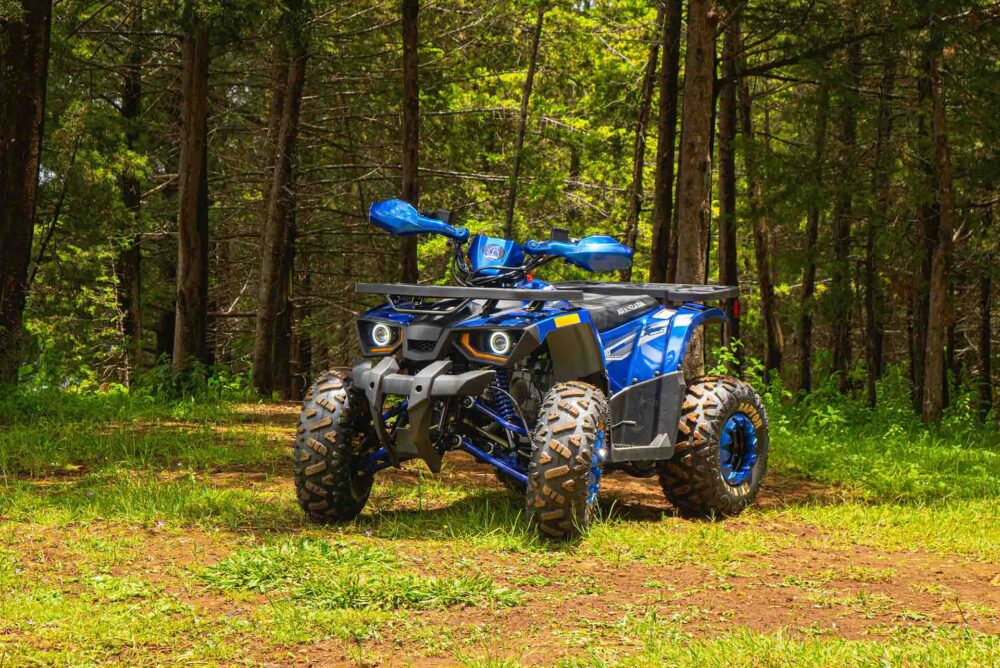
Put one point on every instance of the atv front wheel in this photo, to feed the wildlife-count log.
(721, 454)
(329, 483)
(565, 464)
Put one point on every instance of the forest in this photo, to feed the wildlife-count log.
(184, 213)
(187, 183)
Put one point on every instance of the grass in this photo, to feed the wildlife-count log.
(141, 532)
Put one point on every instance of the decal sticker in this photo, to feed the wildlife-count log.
(493, 252)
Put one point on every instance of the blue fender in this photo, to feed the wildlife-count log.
(685, 323)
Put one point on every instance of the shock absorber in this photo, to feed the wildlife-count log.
(501, 399)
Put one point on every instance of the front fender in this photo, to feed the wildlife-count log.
(685, 323)
(573, 346)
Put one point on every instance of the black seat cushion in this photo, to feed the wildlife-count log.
(609, 312)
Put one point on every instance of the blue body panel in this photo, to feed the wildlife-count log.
(487, 252)
(400, 219)
(596, 253)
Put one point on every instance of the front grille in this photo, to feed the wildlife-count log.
(420, 346)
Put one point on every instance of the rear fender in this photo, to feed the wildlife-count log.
(685, 323)
(573, 346)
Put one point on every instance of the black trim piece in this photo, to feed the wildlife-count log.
(461, 292)
(671, 292)
(644, 419)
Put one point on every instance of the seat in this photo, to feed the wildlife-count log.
(609, 312)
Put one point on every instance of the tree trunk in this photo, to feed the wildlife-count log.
(927, 234)
(939, 309)
(24, 58)
(985, 323)
(277, 253)
(841, 294)
(663, 188)
(696, 158)
(285, 320)
(130, 255)
(812, 235)
(522, 124)
(761, 229)
(190, 342)
(878, 220)
(639, 147)
(411, 133)
(728, 267)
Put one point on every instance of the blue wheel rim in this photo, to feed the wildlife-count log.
(738, 449)
(596, 466)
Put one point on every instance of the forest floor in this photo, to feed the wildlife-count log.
(149, 536)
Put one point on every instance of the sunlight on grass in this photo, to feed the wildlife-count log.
(332, 576)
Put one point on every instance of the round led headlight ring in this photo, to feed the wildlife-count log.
(499, 343)
(381, 334)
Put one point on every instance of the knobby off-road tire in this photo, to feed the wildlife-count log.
(694, 480)
(570, 424)
(331, 436)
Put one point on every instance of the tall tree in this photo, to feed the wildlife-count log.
(812, 236)
(522, 123)
(636, 195)
(663, 188)
(985, 319)
(273, 303)
(728, 267)
(411, 132)
(939, 308)
(761, 226)
(877, 221)
(129, 266)
(190, 330)
(841, 293)
(24, 58)
(696, 157)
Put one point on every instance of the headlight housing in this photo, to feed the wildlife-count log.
(378, 337)
(489, 345)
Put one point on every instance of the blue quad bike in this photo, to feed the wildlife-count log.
(551, 384)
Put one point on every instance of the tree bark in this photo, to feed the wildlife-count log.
(696, 158)
(278, 254)
(812, 236)
(639, 147)
(877, 221)
(663, 188)
(841, 294)
(129, 266)
(522, 124)
(190, 342)
(728, 267)
(24, 58)
(411, 133)
(939, 308)
(927, 234)
(986, 325)
(761, 230)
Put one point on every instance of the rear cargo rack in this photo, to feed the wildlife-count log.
(670, 292)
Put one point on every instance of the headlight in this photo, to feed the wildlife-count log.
(381, 335)
(499, 343)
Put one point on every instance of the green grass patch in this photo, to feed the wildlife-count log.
(339, 576)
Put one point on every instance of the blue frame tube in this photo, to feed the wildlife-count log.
(499, 420)
(498, 464)
(376, 461)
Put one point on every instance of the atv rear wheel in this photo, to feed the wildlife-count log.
(721, 455)
(329, 483)
(566, 457)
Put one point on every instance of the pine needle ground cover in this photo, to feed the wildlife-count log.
(139, 532)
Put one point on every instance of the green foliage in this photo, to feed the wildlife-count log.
(318, 574)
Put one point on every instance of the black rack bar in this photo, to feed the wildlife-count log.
(671, 292)
(461, 292)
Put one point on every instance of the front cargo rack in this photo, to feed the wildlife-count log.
(670, 292)
(455, 297)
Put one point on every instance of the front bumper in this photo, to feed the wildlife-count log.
(431, 382)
